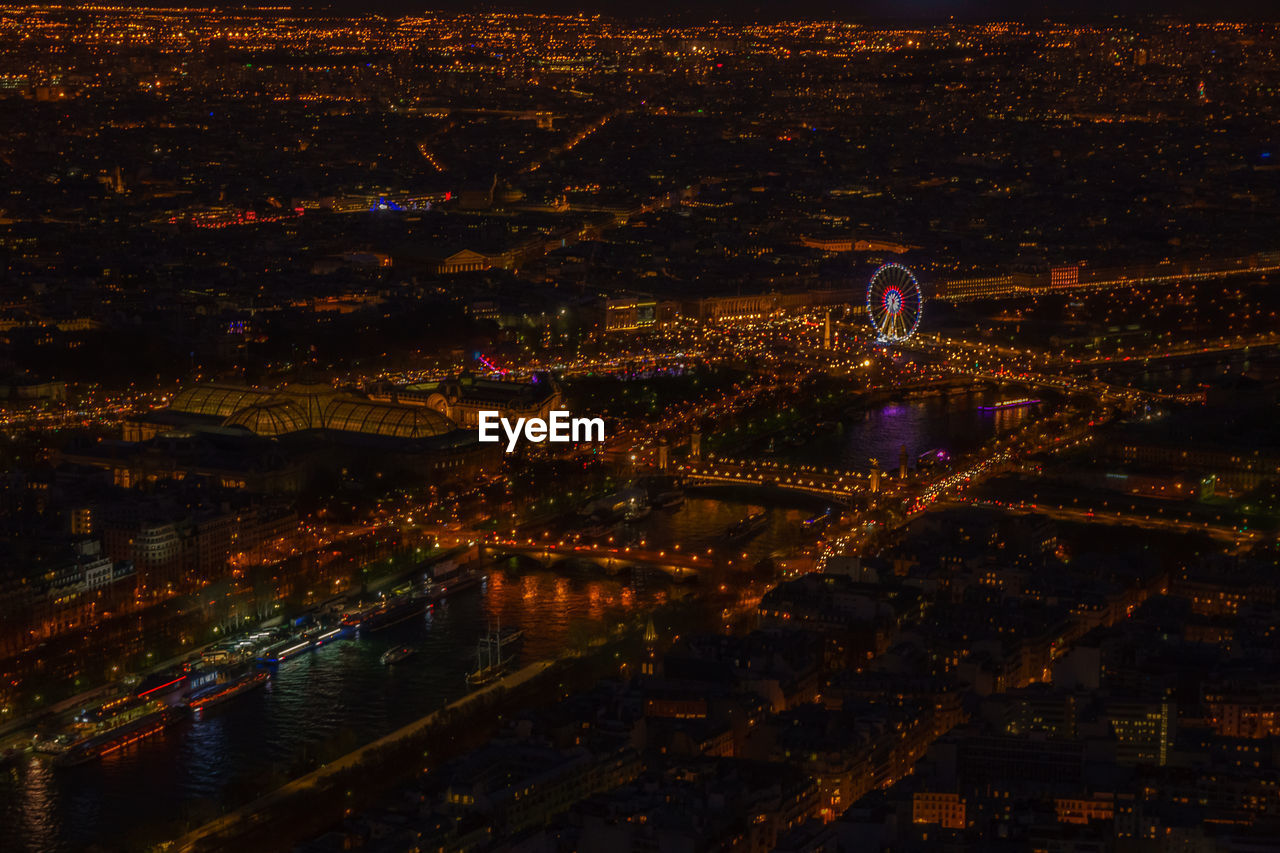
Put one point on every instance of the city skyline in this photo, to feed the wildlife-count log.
(492, 431)
(868, 11)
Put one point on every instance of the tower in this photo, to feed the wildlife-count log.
(875, 476)
(695, 446)
(902, 463)
(826, 331)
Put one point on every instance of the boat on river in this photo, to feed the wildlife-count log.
(493, 658)
(397, 654)
(108, 727)
(748, 526)
(227, 689)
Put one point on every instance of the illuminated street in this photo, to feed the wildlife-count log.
(921, 488)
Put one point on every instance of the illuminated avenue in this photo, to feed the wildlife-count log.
(937, 502)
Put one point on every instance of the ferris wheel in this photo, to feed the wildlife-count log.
(894, 302)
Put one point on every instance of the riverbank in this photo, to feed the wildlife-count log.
(317, 801)
(324, 705)
(16, 733)
(67, 667)
(228, 831)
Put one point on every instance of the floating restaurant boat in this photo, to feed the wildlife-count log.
(228, 689)
(449, 578)
(107, 728)
(391, 610)
(1009, 404)
(291, 647)
(159, 685)
(285, 649)
(446, 579)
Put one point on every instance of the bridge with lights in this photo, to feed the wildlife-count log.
(1096, 387)
(680, 565)
(839, 486)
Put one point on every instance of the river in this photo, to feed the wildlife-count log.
(957, 424)
(327, 702)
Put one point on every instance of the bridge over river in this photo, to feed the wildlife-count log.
(841, 486)
(680, 565)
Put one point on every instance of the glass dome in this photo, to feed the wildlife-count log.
(386, 419)
(218, 400)
(269, 417)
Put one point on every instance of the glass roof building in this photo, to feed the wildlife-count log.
(280, 440)
(214, 399)
(386, 419)
(300, 408)
(269, 418)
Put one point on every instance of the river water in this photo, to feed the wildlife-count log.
(956, 424)
(329, 701)
(1190, 374)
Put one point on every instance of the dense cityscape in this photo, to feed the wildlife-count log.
(935, 501)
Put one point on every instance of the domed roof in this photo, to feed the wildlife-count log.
(387, 419)
(216, 399)
(305, 407)
(311, 399)
(268, 418)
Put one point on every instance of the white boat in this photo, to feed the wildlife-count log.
(397, 654)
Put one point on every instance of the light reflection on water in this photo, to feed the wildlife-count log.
(327, 702)
(1183, 375)
(954, 424)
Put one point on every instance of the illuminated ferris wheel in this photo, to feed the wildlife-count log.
(894, 301)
